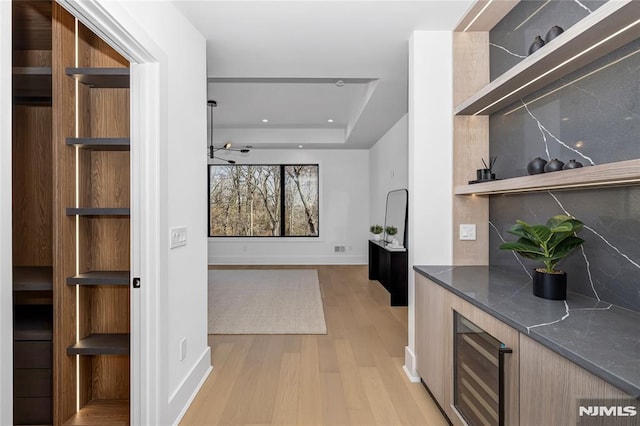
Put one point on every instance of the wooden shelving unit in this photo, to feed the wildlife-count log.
(92, 207)
(33, 323)
(33, 223)
(32, 86)
(106, 78)
(32, 278)
(609, 27)
(620, 173)
(100, 278)
(101, 144)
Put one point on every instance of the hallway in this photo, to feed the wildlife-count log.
(352, 375)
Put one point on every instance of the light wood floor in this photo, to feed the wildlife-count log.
(351, 376)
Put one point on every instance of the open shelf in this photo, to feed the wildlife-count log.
(101, 344)
(33, 322)
(104, 412)
(98, 211)
(32, 278)
(620, 173)
(32, 85)
(100, 278)
(609, 27)
(105, 78)
(100, 144)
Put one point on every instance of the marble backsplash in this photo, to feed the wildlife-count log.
(592, 116)
(510, 38)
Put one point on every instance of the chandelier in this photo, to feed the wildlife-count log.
(227, 146)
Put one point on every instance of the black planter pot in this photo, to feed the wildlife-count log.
(550, 286)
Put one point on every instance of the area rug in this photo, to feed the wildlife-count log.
(265, 302)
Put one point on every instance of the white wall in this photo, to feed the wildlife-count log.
(430, 159)
(344, 214)
(387, 168)
(6, 327)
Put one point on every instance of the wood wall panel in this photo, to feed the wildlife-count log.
(32, 186)
(110, 113)
(470, 64)
(31, 21)
(110, 243)
(110, 179)
(111, 377)
(470, 146)
(63, 157)
(110, 310)
(94, 52)
(32, 58)
(551, 384)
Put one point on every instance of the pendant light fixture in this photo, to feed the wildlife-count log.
(227, 146)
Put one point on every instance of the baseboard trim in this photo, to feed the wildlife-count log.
(409, 366)
(288, 260)
(191, 385)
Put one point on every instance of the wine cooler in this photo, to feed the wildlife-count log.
(478, 374)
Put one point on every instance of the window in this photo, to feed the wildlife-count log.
(263, 200)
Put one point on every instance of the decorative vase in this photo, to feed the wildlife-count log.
(572, 164)
(554, 32)
(376, 237)
(536, 166)
(553, 166)
(538, 42)
(550, 286)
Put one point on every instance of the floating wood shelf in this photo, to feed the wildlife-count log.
(98, 211)
(32, 278)
(33, 322)
(101, 344)
(32, 85)
(100, 278)
(609, 27)
(620, 173)
(104, 412)
(101, 144)
(105, 78)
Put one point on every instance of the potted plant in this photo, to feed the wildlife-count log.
(549, 244)
(391, 231)
(376, 230)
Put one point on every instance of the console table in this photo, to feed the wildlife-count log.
(389, 266)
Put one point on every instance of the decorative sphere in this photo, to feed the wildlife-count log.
(553, 166)
(536, 166)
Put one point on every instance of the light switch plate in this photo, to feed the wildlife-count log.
(178, 236)
(468, 232)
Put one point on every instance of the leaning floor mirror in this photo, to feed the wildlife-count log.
(395, 219)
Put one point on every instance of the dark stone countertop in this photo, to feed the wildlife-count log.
(602, 338)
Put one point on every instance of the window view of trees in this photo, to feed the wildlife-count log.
(247, 200)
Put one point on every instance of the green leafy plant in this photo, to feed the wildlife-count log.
(376, 229)
(391, 230)
(548, 243)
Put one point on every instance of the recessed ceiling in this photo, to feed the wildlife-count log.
(280, 61)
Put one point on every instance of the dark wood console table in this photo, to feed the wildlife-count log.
(390, 267)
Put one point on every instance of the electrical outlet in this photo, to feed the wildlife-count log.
(468, 232)
(178, 236)
(183, 349)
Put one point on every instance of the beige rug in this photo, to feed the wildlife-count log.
(265, 302)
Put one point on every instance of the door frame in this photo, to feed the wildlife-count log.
(6, 239)
(145, 203)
